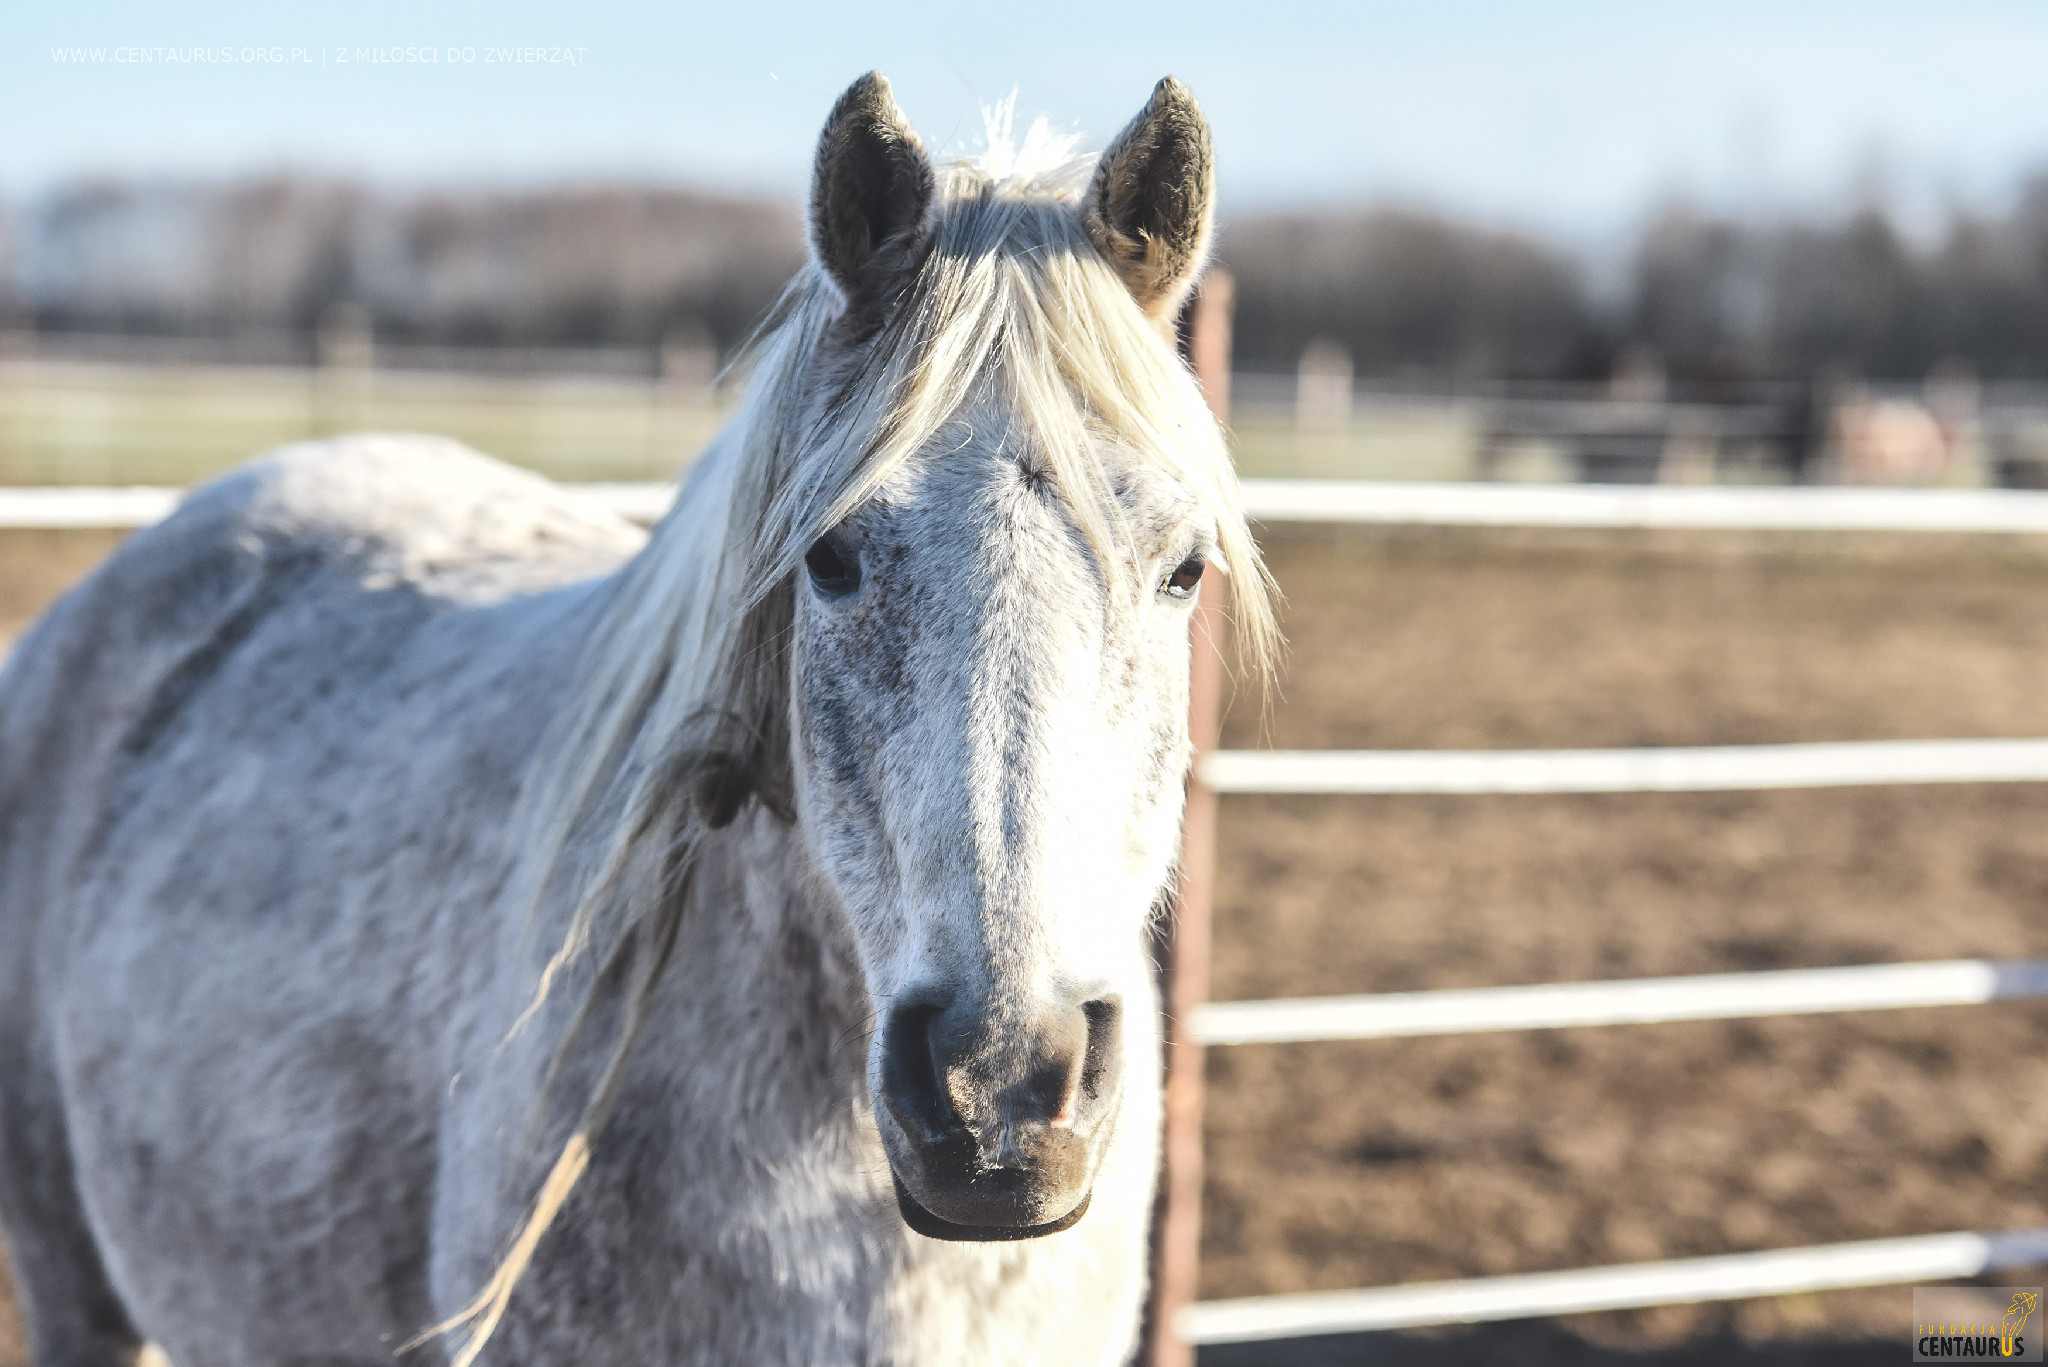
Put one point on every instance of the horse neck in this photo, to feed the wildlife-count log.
(761, 866)
(761, 927)
(764, 928)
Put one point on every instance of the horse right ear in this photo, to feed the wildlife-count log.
(871, 195)
(1153, 200)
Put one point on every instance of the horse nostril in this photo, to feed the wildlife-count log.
(913, 1071)
(1099, 1066)
(1074, 1069)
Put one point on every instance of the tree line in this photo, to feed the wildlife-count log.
(568, 266)
(1718, 301)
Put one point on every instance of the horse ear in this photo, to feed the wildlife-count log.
(1154, 198)
(871, 194)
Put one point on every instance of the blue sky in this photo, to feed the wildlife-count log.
(1569, 115)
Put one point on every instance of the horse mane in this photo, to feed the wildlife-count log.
(679, 718)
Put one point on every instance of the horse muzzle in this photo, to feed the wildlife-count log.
(995, 1127)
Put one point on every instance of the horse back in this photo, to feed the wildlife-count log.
(98, 686)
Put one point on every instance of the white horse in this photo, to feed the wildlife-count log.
(426, 905)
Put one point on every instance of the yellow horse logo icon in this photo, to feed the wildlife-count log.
(2023, 1306)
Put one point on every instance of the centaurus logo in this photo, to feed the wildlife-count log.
(1976, 1324)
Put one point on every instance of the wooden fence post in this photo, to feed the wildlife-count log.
(1183, 949)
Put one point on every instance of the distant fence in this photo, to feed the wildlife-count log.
(1548, 1005)
(75, 422)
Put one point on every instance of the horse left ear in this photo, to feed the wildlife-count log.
(871, 194)
(1153, 200)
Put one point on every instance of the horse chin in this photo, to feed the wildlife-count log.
(932, 1226)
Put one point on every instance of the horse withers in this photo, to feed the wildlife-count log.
(434, 913)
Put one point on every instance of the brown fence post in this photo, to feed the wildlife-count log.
(1184, 948)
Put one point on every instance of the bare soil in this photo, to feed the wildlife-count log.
(1341, 1165)
(37, 566)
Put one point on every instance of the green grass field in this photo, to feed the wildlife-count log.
(103, 423)
(71, 423)
(1418, 442)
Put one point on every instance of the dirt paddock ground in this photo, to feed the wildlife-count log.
(1359, 1164)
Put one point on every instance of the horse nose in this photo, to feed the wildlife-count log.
(947, 1066)
(1004, 1117)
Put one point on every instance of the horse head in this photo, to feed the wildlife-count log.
(988, 651)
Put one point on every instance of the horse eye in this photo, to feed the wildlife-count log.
(1181, 583)
(832, 574)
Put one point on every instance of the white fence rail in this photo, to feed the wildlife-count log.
(1673, 769)
(1736, 1276)
(84, 507)
(90, 507)
(1637, 1001)
(1353, 501)
(1812, 509)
